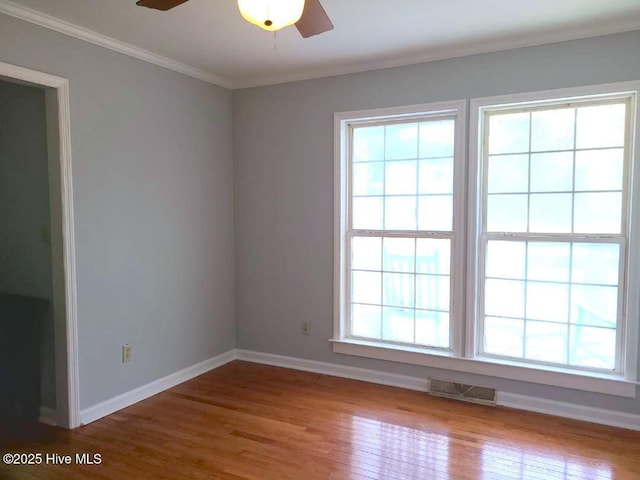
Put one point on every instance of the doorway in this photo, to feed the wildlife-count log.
(39, 293)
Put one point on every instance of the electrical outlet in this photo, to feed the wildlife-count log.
(126, 353)
(305, 328)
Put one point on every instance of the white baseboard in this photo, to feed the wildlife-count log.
(570, 410)
(363, 374)
(521, 402)
(48, 416)
(127, 399)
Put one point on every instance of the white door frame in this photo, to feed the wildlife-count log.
(57, 93)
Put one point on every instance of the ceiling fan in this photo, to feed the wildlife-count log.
(309, 16)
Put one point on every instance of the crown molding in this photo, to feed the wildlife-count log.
(489, 46)
(480, 47)
(52, 23)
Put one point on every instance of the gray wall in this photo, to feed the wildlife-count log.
(284, 186)
(152, 179)
(154, 199)
(25, 254)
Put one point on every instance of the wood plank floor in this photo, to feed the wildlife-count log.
(248, 421)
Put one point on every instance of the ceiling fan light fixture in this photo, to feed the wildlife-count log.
(271, 15)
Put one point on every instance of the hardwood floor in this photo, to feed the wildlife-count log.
(248, 421)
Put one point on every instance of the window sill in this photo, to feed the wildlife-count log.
(585, 381)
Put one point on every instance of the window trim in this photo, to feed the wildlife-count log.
(557, 377)
(466, 217)
(629, 329)
(621, 239)
(342, 209)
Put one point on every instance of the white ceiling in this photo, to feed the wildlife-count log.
(209, 38)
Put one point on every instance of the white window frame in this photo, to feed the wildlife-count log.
(463, 356)
(483, 236)
(343, 123)
(628, 331)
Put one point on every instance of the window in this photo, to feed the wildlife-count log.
(554, 232)
(399, 229)
(540, 289)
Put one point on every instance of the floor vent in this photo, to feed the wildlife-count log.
(460, 391)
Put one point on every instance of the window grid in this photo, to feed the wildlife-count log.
(385, 233)
(416, 276)
(570, 282)
(564, 194)
(570, 237)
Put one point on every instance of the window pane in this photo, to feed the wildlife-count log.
(505, 259)
(435, 212)
(593, 305)
(504, 336)
(550, 213)
(552, 129)
(398, 171)
(368, 178)
(366, 253)
(401, 178)
(508, 174)
(366, 321)
(599, 169)
(597, 212)
(595, 263)
(399, 255)
(368, 144)
(507, 213)
(401, 141)
(593, 347)
(548, 301)
(365, 287)
(546, 342)
(437, 138)
(504, 298)
(398, 289)
(436, 176)
(397, 325)
(433, 256)
(601, 126)
(367, 213)
(548, 261)
(400, 213)
(432, 292)
(432, 328)
(552, 172)
(509, 133)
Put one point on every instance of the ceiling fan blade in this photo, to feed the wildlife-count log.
(163, 5)
(314, 19)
